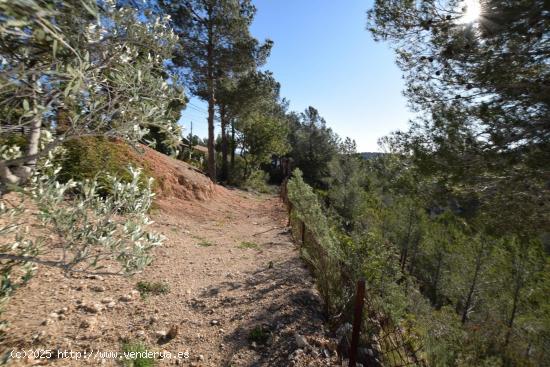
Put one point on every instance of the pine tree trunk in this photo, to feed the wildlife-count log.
(514, 310)
(223, 117)
(412, 261)
(211, 99)
(233, 147)
(472, 286)
(245, 171)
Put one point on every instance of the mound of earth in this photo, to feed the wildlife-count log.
(175, 179)
(91, 157)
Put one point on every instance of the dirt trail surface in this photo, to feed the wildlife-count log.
(238, 294)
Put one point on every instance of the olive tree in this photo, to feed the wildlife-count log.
(71, 69)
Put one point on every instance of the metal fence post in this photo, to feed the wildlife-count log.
(357, 318)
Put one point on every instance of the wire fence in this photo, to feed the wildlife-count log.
(383, 341)
(15, 129)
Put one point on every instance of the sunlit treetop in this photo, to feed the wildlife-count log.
(472, 11)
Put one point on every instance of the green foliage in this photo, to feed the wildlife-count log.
(87, 71)
(314, 145)
(15, 273)
(90, 222)
(477, 164)
(478, 89)
(258, 335)
(247, 101)
(75, 70)
(166, 142)
(257, 181)
(259, 119)
(205, 243)
(86, 228)
(97, 157)
(323, 252)
(138, 351)
(236, 175)
(222, 50)
(249, 245)
(346, 182)
(435, 271)
(309, 210)
(261, 137)
(443, 335)
(147, 288)
(478, 305)
(10, 140)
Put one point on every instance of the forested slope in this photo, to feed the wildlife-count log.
(449, 227)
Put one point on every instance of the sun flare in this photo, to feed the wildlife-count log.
(472, 11)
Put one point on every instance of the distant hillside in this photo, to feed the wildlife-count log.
(371, 155)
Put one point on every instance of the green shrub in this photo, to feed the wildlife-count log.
(147, 288)
(322, 250)
(93, 229)
(258, 335)
(192, 157)
(205, 243)
(138, 349)
(257, 181)
(87, 158)
(9, 139)
(236, 172)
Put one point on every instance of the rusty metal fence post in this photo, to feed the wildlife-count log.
(357, 319)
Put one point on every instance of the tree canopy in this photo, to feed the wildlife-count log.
(215, 44)
(73, 69)
(482, 92)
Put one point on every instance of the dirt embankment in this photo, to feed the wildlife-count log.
(175, 179)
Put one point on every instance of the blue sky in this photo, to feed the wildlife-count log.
(324, 57)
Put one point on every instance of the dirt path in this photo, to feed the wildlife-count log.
(233, 273)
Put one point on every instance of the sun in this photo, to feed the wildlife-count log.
(472, 11)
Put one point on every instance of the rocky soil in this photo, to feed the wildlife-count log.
(239, 295)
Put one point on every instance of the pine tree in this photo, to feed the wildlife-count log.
(346, 182)
(215, 43)
(313, 144)
(482, 90)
